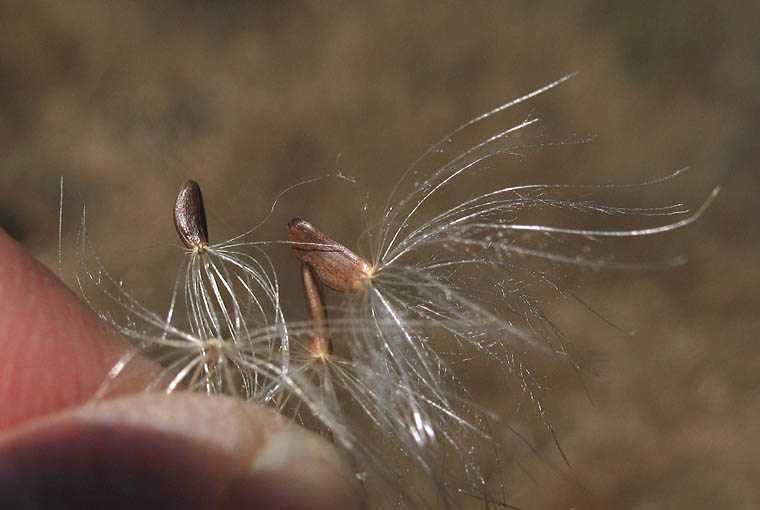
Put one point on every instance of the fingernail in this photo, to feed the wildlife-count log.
(302, 470)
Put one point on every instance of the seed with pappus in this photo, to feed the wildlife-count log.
(247, 364)
(442, 289)
(227, 329)
(226, 288)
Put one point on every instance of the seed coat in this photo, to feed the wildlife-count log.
(332, 263)
(190, 216)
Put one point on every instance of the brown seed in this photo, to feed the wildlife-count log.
(332, 263)
(190, 216)
(319, 341)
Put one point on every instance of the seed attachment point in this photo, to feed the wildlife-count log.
(190, 217)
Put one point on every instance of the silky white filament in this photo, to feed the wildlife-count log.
(444, 290)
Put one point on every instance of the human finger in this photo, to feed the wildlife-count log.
(178, 451)
(54, 351)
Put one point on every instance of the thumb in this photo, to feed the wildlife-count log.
(183, 451)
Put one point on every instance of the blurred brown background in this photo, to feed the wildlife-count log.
(128, 99)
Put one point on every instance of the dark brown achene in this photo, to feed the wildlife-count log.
(190, 216)
(332, 263)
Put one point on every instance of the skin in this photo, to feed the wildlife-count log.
(60, 450)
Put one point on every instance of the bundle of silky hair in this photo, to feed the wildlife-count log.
(380, 366)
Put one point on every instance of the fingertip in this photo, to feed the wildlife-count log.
(299, 470)
(181, 451)
(54, 351)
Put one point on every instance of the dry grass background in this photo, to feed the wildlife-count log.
(128, 99)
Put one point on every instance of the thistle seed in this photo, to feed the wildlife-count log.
(190, 217)
(332, 263)
(319, 342)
